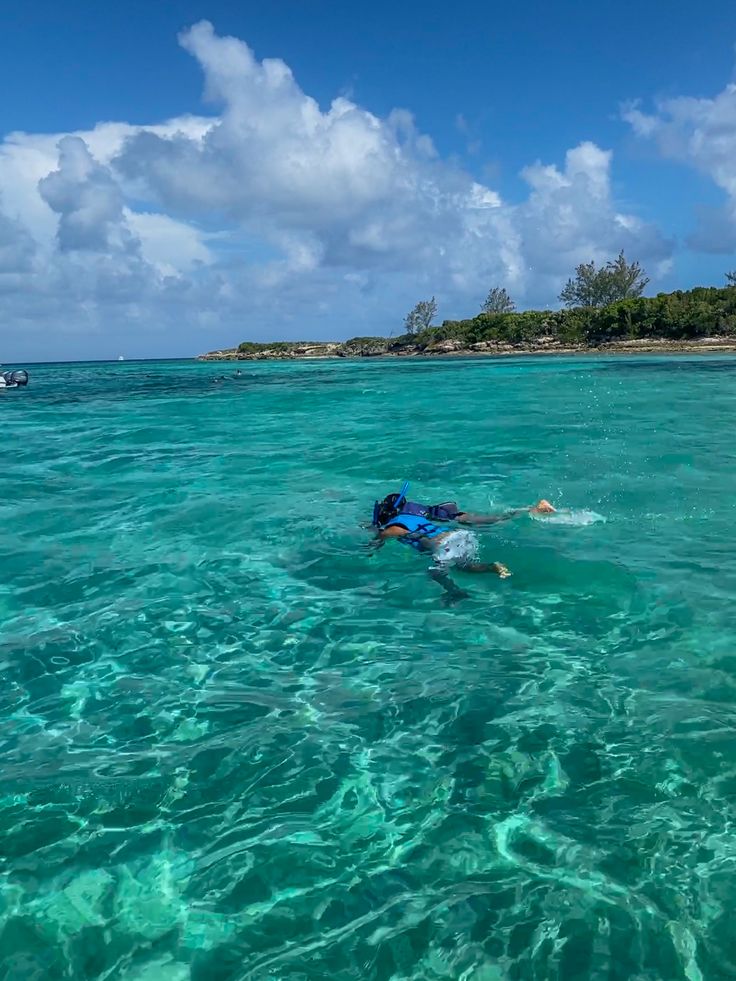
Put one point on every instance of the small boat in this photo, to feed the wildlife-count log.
(13, 379)
(121, 358)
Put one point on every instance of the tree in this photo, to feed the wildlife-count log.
(626, 280)
(498, 301)
(421, 317)
(731, 278)
(617, 280)
(582, 291)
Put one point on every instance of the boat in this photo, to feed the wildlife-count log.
(13, 379)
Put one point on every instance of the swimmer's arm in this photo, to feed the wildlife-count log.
(541, 507)
(393, 532)
(466, 518)
(382, 536)
(396, 531)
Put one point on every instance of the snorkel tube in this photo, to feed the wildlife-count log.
(380, 507)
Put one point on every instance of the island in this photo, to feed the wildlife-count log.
(698, 320)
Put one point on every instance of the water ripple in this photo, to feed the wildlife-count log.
(234, 747)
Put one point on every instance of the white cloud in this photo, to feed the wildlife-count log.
(17, 248)
(348, 189)
(173, 247)
(88, 201)
(570, 217)
(275, 217)
(702, 134)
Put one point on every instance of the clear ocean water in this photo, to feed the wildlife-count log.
(235, 746)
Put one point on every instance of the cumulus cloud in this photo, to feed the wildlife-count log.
(273, 216)
(171, 246)
(343, 188)
(88, 201)
(17, 248)
(570, 217)
(702, 134)
(355, 188)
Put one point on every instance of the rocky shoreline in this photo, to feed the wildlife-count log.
(284, 351)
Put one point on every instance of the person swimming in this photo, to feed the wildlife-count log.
(456, 548)
(449, 511)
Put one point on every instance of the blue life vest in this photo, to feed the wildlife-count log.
(417, 527)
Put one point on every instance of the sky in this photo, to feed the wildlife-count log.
(180, 176)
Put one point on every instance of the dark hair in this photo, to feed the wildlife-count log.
(389, 507)
(386, 509)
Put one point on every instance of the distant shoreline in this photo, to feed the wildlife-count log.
(320, 351)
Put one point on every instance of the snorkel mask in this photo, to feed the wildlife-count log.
(389, 507)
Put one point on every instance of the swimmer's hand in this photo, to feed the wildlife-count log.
(373, 546)
(542, 507)
(501, 570)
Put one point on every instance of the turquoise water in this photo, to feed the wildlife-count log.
(235, 746)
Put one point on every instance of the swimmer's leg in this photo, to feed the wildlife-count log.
(442, 579)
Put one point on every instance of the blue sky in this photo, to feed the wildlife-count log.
(181, 176)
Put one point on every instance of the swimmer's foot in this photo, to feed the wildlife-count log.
(542, 507)
(450, 599)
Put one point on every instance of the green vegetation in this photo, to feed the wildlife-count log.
(702, 312)
(255, 347)
(677, 317)
(617, 280)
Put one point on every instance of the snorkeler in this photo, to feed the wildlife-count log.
(456, 548)
(449, 511)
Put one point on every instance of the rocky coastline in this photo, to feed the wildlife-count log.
(372, 348)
